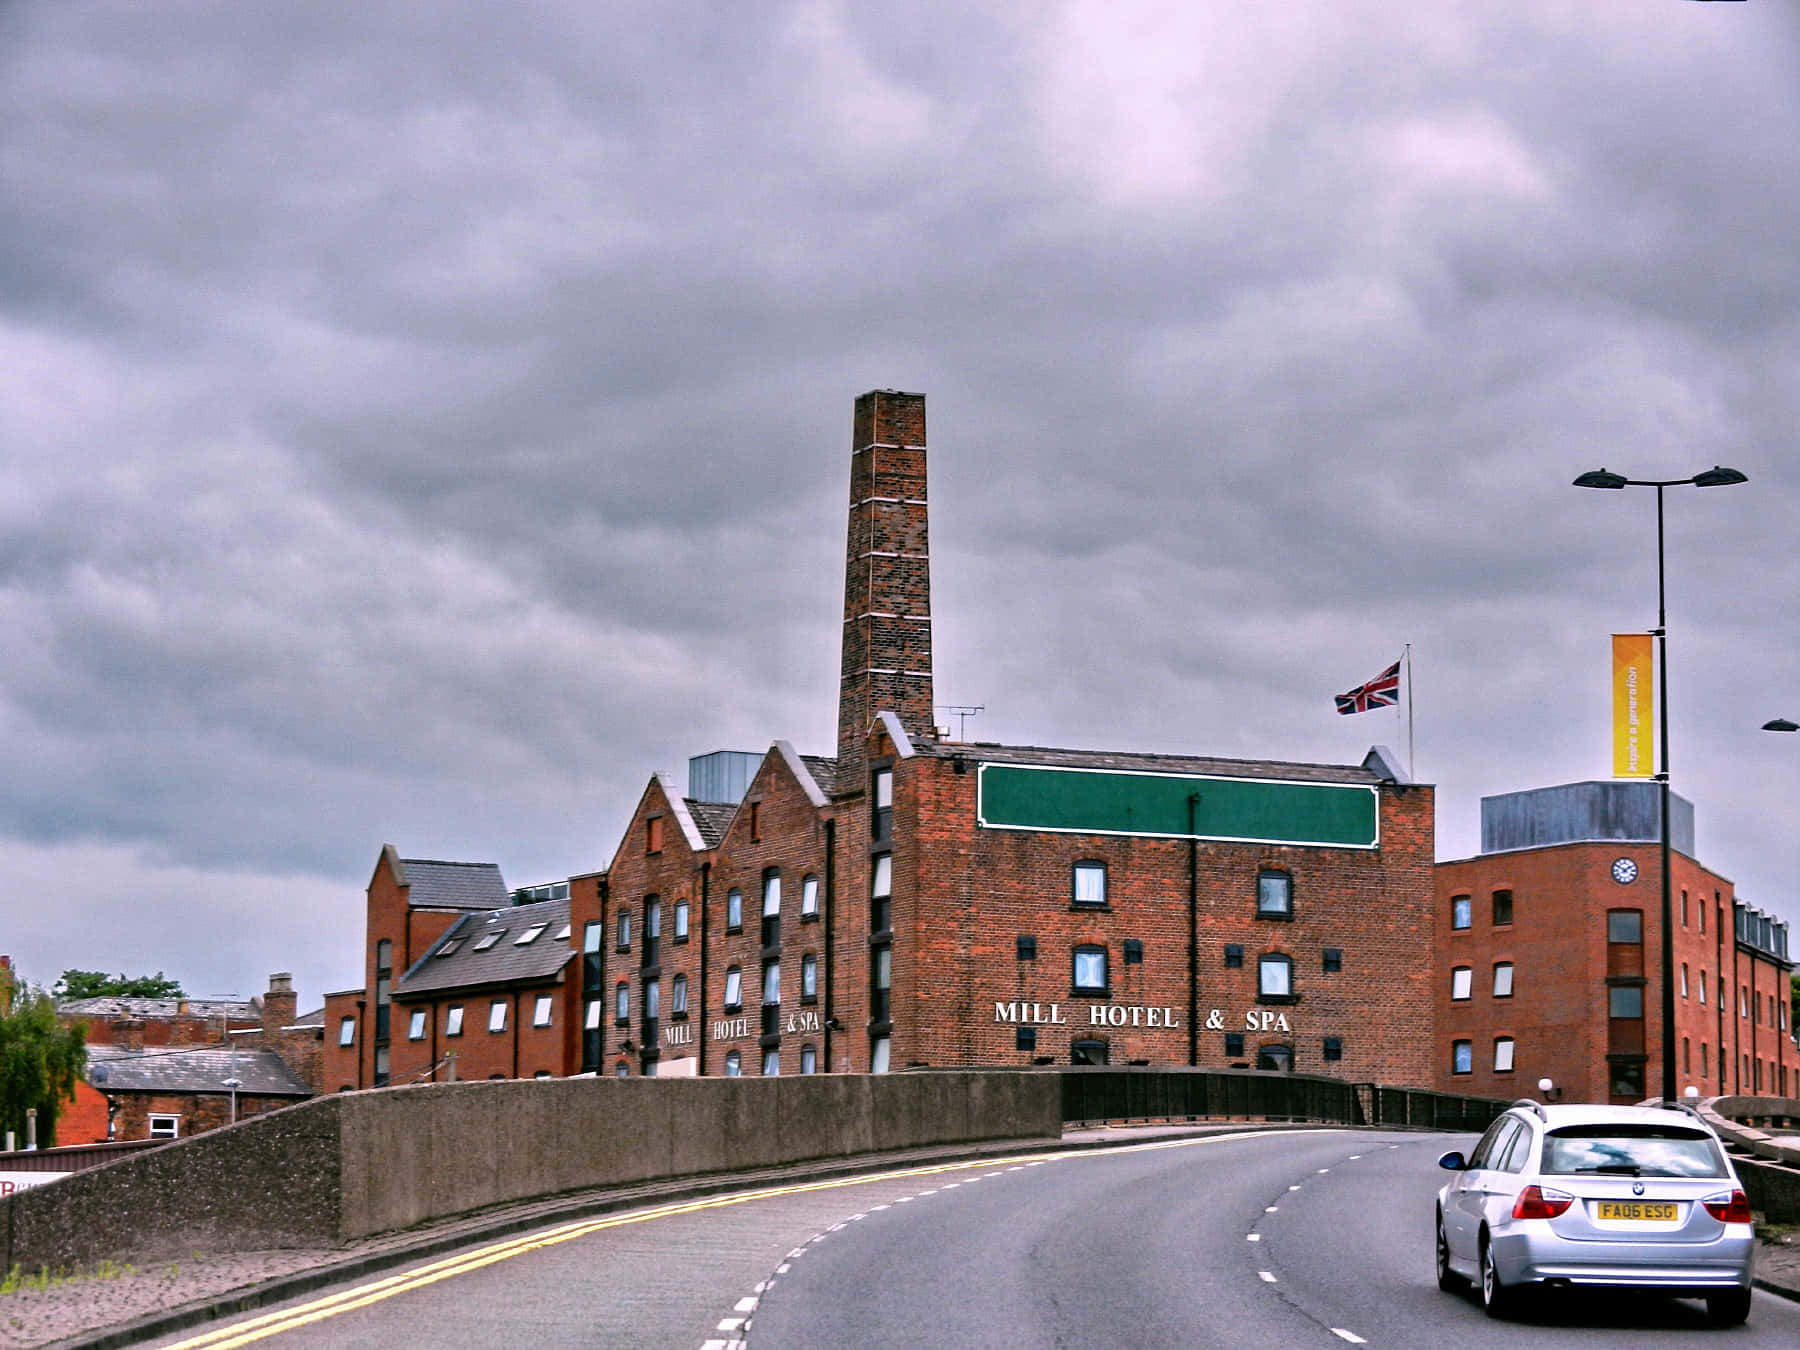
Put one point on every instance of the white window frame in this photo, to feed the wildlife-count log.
(347, 1032)
(772, 896)
(734, 1064)
(1504, 1050)
(734, 988)
(415, 1030)
(164, 1125)
(681, 920)
(809, 896)
(530, 935)
(595, 1013)
(497, 1015)
(453, 1020)
(1503, 979)
(540, 1014)
(734, 908)
(1462, 983)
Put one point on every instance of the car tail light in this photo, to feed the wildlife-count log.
(1733, 1208)
(1536, 1202)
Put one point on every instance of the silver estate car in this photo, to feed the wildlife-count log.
(1599, 1196)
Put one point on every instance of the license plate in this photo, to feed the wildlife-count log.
(1648, 1210)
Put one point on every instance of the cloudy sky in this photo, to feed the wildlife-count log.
(419, 423)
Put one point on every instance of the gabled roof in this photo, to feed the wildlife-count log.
(105, 1008)
(987, 752)
(823, 770)
(458, 960)
(453, 885)
(260, 1073)
(711, 818)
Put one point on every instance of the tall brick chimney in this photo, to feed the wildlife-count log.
(280, 1005)
(887, 578)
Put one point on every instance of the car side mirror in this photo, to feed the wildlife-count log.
(1453, 1162)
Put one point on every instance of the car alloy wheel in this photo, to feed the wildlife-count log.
(1496, 1299)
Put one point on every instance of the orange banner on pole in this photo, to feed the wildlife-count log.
(1634, 739)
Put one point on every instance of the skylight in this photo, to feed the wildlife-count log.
(530, 935)
(490, 939)
(449, 947)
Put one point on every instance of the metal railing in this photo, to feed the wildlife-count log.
(1101, 1094)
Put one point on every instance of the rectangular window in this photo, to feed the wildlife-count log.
(1024, 1038)
(771, 982)
(1702, 985)
(165, 1127)
(1684, 909)
(809, 897)
(734, 910)
(622, 1004)
(540, 1013)
(591, 1019)
(771, 894)
(678, 997)
(530, 935)
(1624, 925)
(1704, 1060)
(878, 1054)
(734, 988)
(1503, 1054)
(881, 894)
(881, 985)
(809, 978)
(1274, 977)
(681, 921)
(1503, 972)
(809, 1059)
(1333, 960)
(1502, 908)
(489, 939)
(1274, 895)
(1090, 970)
(1684, 983)
(1625, 1000)
(623, 941)
(415, 1030)
(347, 1031)
(652, 1000)
(1234, 1045)
(1462, 1057)
(497, 1015)
(453, 1020)
(881, 816)
(1234, 956)
(1462, 982)
(771, 1063)
(1027, 948)
(1460, 911)
(1089, 884)
(1334, 1048)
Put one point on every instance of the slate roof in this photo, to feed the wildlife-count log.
(107, 1007)
(984, 752)
(260, 1073)
(711, 818)
(454, 885)
(453, 961)
(823, 770)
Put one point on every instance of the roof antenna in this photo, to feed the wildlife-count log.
(962, 715)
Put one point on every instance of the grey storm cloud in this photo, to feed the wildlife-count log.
(419, 424)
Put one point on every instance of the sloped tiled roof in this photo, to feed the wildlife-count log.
(315, 1018)
(260, 1073)
(711, 818)
(454, 885)
(985, 752)
(502, 962)
(105, 1008)
(823, 770)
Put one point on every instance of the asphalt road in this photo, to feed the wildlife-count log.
(1313, 1238)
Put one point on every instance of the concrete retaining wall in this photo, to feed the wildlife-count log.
(343, 1167)
(1772, 1178)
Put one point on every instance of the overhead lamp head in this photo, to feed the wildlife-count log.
(1780, 724)
(1719, 477)
(1600, 478)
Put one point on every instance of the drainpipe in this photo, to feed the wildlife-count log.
(515, 1033)
(830, 914)
(1193, 1008)
(705, 942)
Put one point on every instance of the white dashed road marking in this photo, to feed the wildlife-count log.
(1350, 1336)
(1266, 1276)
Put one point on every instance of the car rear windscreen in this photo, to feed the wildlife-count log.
(1633, 1151)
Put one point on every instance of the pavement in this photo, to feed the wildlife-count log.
(127, 1306)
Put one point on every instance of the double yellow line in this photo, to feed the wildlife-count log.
(349, 1300)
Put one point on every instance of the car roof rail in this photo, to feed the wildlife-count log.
(1531, 1104)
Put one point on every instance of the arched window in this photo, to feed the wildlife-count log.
(1280, 1058)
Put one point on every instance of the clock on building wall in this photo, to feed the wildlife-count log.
(1624, 871)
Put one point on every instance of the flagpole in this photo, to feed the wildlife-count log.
(1412, 767)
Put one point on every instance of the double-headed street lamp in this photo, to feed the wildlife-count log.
(1713, 477)
(1780, 724)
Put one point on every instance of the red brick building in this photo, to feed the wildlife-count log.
(916, 901)
(1549, 961)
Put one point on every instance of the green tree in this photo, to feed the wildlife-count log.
(98, 984)
(41, 1060)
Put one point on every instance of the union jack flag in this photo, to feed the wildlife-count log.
(1381, 692)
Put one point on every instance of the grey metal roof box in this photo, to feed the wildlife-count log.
(722, 776)
(1577, 813)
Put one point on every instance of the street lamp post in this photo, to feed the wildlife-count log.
(1713, 477)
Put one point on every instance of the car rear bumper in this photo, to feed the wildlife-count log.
(1542, 1256)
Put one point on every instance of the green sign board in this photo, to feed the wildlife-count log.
(1156, 805)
